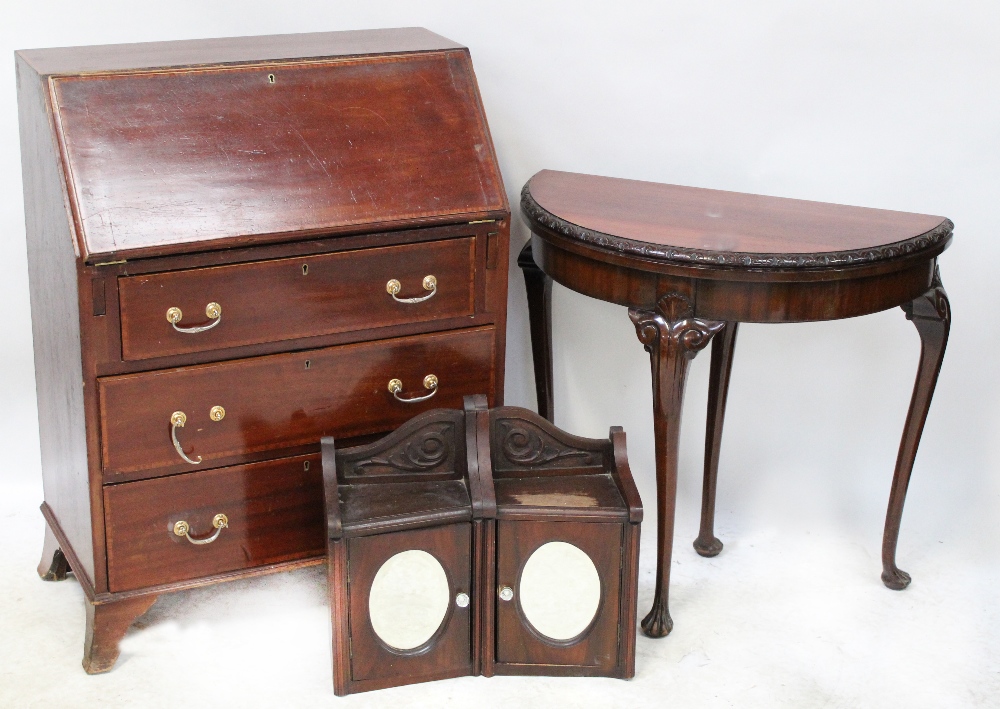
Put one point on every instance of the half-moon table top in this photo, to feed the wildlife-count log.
(713, 227)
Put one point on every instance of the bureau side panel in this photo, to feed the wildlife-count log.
(55, 321)
(496, 259)
(497, 269)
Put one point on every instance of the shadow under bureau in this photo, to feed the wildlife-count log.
(237, 247)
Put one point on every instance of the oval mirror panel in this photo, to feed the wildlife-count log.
(560, 590)
(409, 599)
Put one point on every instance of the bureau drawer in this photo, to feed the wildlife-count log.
(283, 401)
(283, 299)
(274, 512)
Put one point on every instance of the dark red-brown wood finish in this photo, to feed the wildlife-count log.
(214, 229)
(555, 487)
(296, 297)
(272, 148)
(691, 264)
(480, 490)
(416, 489)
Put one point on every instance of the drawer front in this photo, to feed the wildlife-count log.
(274, 512)
(282, 401)
(283, 299)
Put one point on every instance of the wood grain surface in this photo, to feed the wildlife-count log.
(275, 512)
(448, 653)
(691, 264)
(280, 401)
(197, 171)
(232, 50)
(517, 642)
(295, 297)
(718, 221)
(164, 159)
(59, 340)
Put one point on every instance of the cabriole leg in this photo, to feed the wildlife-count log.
(539, 287)
(931, 314)
(723, 344)
(672, 336)
(106, 626)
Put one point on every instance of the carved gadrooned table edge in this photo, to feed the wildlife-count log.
(922, 242)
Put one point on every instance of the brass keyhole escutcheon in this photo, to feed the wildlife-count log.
(217, 413)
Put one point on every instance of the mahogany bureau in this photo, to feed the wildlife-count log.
(237, 247)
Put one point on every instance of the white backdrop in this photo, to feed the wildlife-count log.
(882, 104)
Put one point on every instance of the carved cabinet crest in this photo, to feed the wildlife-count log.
(480, 542)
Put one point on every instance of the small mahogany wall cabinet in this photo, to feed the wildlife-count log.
(481, 541)
(237, 247)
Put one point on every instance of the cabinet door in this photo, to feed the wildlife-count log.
(410, 606)
(557, 595)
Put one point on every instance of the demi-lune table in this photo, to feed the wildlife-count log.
(691, 264)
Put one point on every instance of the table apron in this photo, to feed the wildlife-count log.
(737, 300)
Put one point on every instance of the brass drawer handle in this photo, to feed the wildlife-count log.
(212, 310)
(430, 382)
(430, 283)
(179, 418)
(220, 522)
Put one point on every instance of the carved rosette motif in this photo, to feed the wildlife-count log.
(673, 319)
(523, 444)
(421, 452)
(539, 214)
